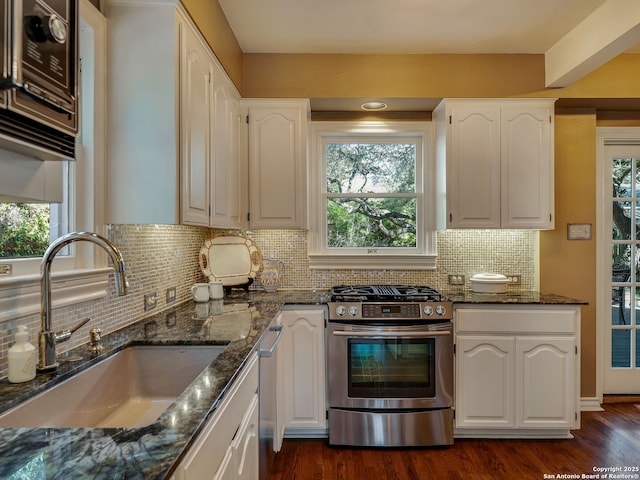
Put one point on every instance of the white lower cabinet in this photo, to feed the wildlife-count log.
(227, 447)
(551, 363)
(301, 368)
(517, 371)
(244, 449)
(485, 381)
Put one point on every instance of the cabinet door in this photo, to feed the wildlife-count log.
(238, 167)
(220, 164)
(245, 445)
(485, 381)
(277, 164)
(302, 369)
(473, 168)
(196, 71)
(527, 166)
(545, 382)
(226, 471)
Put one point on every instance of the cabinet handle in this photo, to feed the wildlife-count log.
(269, 352)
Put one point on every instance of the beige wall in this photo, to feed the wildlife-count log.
(568, 267)
(430, 76)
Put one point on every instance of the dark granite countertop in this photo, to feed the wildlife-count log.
(150, 452)
(513, 297)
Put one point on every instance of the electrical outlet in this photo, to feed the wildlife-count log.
(150, 301)
(513, 279)
(171, 295)
(456, 279)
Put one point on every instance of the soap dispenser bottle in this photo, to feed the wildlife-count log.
(22, 358)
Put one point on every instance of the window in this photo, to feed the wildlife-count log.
(372, 196)
(26, 229)
(79, 271)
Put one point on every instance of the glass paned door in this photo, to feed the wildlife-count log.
(622, 372)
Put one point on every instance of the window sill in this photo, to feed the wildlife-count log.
(20, 297)
(363, 262)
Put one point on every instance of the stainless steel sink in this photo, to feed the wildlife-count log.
(126, 390)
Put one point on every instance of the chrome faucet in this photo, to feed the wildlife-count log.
(49, 338)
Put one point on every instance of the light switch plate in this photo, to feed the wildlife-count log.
(578, 231)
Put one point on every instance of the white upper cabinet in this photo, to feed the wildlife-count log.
(211, 192)
(238, 170)
(498, 159)
(174, 132)
(278, 163)
(142, 80)
(229, 184)
(196, 127)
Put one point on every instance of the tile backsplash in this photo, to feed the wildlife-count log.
(460, 252)
(159, 257)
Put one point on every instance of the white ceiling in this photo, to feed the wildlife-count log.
(403, 26)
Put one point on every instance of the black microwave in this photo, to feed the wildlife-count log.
(39, 84)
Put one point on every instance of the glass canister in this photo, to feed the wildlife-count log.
(272, 270)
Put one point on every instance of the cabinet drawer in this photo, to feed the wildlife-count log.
(513, 320)
(210, 447)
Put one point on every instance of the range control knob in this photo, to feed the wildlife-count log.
(428, 310)
(440, 310)
(340, 310)
(353, 311)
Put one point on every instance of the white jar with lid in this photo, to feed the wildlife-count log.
(22, 358)
(489, 283)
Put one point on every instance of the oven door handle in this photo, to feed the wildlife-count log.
(347, 333)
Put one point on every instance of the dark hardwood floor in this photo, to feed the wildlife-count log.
(606, 439)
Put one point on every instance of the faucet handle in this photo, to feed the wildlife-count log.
(65, 335)
(95, 335)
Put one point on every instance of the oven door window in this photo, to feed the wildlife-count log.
(391, 368)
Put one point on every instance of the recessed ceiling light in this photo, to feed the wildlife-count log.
(373, 106)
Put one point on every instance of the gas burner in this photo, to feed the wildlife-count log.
(352, 290)
(373, 293)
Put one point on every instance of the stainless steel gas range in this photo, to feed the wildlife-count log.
(390, 366)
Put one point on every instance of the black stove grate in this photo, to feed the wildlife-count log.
(380, 293)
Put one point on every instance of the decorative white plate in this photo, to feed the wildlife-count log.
(231, 259)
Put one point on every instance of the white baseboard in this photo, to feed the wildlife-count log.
(590, 404)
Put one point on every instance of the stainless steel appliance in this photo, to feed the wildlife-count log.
(268, 405)
(39, 84)
(390, 366)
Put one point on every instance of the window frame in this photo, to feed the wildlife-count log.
(83, 275)
(424, 255)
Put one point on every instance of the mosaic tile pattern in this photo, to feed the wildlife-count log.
(460, 252)
(163, 256)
